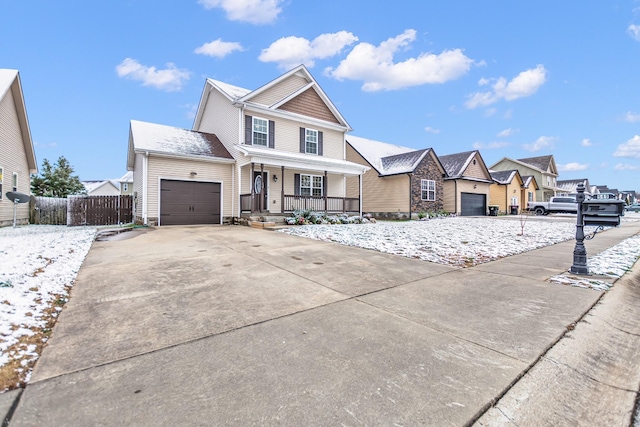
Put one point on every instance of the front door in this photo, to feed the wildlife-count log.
(260, 191)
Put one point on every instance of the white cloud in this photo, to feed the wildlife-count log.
(170, 79)
(540, 143)
(374, 65)
(631, 148)
(572, 167)
(292, 51)
(634, 31)
(252, 11)
(631, 117)
(429, 129)
(586, 142)
(626, 167)
(524, 84)
(218, 48)
(490, 145)
(507, 133)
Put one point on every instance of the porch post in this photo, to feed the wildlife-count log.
(263, 190)
(282, 189)
(252, 187)
(325, 191)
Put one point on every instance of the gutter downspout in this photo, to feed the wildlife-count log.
(455, 195)
(360, 191)
(145, 181)
(410, 189)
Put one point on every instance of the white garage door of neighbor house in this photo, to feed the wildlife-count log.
(189, 202)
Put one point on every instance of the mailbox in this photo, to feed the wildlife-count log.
(602, 212)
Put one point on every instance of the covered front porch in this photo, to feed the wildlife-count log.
(276, 183)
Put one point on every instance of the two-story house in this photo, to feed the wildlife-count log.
(267, 151)
(542, 168)
(17, 156)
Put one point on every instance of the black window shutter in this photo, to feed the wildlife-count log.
(248, 129)
(302, 138)
(272, 134)
(319, 143)
(296, 184)
(324, 187)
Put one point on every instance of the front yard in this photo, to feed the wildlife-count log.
(38, 265)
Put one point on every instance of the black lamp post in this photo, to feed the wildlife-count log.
(580, 252)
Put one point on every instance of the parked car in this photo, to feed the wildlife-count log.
(633, 208)
(554, 205)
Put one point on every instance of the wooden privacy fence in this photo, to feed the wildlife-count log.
(99, 210)
(48, 210)
(82, 210)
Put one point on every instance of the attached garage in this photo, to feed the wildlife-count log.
(473, 204)
(189, 202)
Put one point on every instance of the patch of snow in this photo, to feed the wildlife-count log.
(169, 139)
(37, 265)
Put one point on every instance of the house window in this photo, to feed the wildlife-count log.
(530, 196)
(1, 193)
(514, 201)
(311, 141)
(125, 187)
(311, 185)
(428, 188)
(260, 131)
(15, 182)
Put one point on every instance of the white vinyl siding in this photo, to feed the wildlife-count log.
(13, 159)
(178, 169)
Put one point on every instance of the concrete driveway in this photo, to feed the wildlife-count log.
(238, 326)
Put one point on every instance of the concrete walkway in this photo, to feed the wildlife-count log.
(238, 326)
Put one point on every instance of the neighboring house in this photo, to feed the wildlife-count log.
(530, 186)
(179, 176)
(467, 183)
(543, 169)
(287, 140)
(17, 156)
(401, 182)
(126, 184)
(507, 190)
(569, 187)
(106, 187)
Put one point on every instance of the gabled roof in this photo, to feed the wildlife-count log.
(389, 159)
(571, 185)
(92, 186)
(241, 97)
(127, 177)
(456, 164)
(543, 163)
(10, 85)
(527, 180)
(504, 177)
(175, 142)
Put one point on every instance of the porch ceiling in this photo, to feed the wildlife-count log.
(306, 162)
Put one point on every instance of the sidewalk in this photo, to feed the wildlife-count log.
(235, 326)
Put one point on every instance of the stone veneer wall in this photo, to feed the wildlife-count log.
(427, 169)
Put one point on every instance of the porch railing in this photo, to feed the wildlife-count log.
(319, 204)
(313, 203)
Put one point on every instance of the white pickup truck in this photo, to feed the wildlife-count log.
(558, 204)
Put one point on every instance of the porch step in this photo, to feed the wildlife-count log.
(262, 224)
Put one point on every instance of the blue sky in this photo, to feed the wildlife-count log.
(510, 78)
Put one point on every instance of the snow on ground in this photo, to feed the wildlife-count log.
(38, 263)
(466, 242)
(457, 241)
